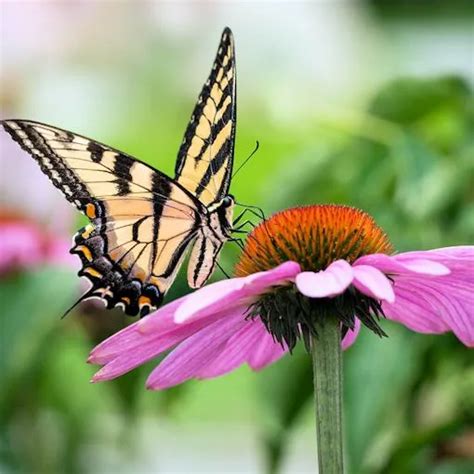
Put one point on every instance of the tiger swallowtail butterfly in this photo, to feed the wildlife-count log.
(142, 221)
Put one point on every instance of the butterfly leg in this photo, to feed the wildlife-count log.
(239, 229)
(237, 221)
(222, 270)
(238, 241)
(240, 216)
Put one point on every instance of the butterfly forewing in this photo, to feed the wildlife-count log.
(142, 222)
(204, 164)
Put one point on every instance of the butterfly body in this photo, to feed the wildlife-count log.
(142, 221)
(211, 237)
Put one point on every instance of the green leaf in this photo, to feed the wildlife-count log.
(416, 165)
(377, 372)
(406, 100)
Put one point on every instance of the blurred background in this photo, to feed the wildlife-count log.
(366, 103)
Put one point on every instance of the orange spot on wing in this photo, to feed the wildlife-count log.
(144, 300)
(85, 251)
(90, 211)
(93, 272)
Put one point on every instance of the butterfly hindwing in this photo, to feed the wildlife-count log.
(203, 259)
(204, 164)
(141, 221)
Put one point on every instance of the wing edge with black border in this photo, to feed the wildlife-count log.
(159, 204)
(205, 158)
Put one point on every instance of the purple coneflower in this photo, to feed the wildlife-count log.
(297, 268)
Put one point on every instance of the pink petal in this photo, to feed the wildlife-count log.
(160, 322)
(20, 246)
(373, 283)
(351, 335)
(235, 352)
(394, 264)
(413, 309)
(433, 301)
(443, 255)
(457, 259)
(233, 292)
(143, 350)
(197, 351)
(161, 319)
(107, 350)
(454, 305)
(424, 266)
(330, 282)
(265, 351)
(58, 253)
(138, 348)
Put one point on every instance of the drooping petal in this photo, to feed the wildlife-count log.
(351, 335)
(459, 260)
(326, 283)
(393, 264)
(126, 339)
(413, 309)
(137, 347)
(433, 290)
(425, 266)
(158, 323)
(197, 351)
(373, 283)
(265, 351)
(235, 352)
(144, 348)
(233, 292)
(453, 304)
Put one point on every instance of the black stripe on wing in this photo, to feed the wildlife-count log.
(208, 143)
(64, 156)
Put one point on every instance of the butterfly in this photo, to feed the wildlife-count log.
(142, 222)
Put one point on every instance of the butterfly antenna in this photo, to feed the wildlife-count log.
(257, 146)
(222, 270)
(83, 297)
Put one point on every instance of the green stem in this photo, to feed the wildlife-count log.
(327, 377)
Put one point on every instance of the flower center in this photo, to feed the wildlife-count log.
(314, 237)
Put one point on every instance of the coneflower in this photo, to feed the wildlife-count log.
(309, 273)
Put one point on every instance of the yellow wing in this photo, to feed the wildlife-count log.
(204, 165)
(142, 221)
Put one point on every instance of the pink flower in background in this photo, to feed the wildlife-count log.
(24, 244)
(35, 220)
(340, 266)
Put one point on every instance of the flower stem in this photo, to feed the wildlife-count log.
(327, 377)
